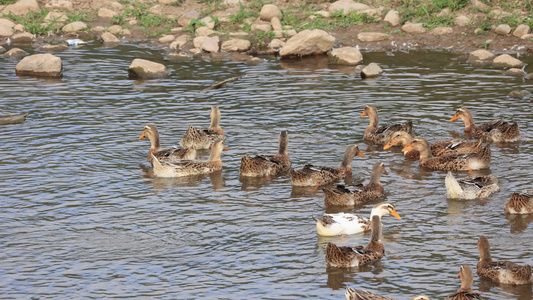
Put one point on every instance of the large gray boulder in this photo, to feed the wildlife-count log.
(308, 42)
(506, 61)
(22, 7)
(40, 65)
(345, 56)
(145, 69)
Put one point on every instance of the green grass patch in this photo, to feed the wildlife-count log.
(34, 22)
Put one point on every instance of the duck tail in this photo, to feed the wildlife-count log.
(409, 126)
(156, 163)
(453, 189)
(332, 252)
(486, 153)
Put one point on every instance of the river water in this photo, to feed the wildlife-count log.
(81, 216)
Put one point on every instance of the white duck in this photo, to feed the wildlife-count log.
(342, 223)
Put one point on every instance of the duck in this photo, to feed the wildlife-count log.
(520, 203)
(500, 272)
(495, 131)
(187, 167)
(402, 138)
(355, 294)
(203, 138)
(382, 134)
(346, 224)
(451, 161)
(471, 187)
(346, 257)
(467, 281)
(266, 165)
(312, 175)
(349, 196)
(152, 133)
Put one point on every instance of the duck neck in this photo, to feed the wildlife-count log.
(375, 177)
(283, 145)
(425, 153)
(215, 119)
(373, 120)
(347, 159)
(484, 255)
(469, 121)
(216, 151)
(155, 143)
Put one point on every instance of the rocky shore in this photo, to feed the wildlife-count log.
(340, 29)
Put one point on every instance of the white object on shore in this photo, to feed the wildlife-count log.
(76, 42)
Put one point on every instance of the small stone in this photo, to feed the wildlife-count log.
(7, 22)
(204, 31)
(504, 61)
(262, 27)
(276, 44)
(515, 72)
(98, 28)
(239, 34)
(462, 20)
(209, 22)
(444, 12)
(22, 38)
(373, 36)
(167, 39)
(114, 29)
(22, 7)
(5, 30)
(179, 42)
(254, 61)
(109, 38)
(106, 13)
(345, 56)
(414, 28)
(19, 28)
(125, 32)
(503, 29)
(236, 45)
(441, 31)
(41, 65)
(371, 71)
(145, 69)
(15, 53)
(54, 48)
(527, 36)
(74, 26)
(59, 5)
(347, 7)
(180, 56)
(269, 11)
(199, 41)
(276, 24)
(211, 44)
(521, 30)
(322, 13)
(308, 42)
(392, 17)
(186, 18)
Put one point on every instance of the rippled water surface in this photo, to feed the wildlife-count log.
(81, 216)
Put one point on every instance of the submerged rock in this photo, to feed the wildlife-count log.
(515, 72)
(345, 56)
(371, 71)
(15, 53)
(480, 57)
(109, 38)
(40, 65)
(145, 69)
(520, 94)
(308, 42)
(505, 61)
(15, 119)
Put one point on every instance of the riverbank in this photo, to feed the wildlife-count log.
(458, 26)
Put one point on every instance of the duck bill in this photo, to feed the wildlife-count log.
(395, 214)
(453, 118)
(360, 154)
(388, 145)
(459, 275)
(142, 136)
(407, 148)
(385, 172)
(363, 114)
(225, 148)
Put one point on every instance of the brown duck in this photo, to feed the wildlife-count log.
(312, 175)
(520, 203)
(343, 196)
(151, 132)
(500, 272)
(266, 165)
(497, 131)
(451, 161)
(345, 257)
(402, 138)
(465, 292)
(381, 134)
(354, 294)
(204, 138)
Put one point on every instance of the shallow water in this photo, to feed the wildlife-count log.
(81, 215)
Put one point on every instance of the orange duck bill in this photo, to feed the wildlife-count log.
(453, 118)
(407, 148)
(388, 145)
(395, 214)
(360, 154)
(363, 114)
(142, 136)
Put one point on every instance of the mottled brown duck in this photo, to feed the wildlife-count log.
(500, 272)
(266, 165)
(451, 161)
(520, 203)
(312, 175)
(349, 196)
(496, 131)
(470, 187)
(203, 138)
(381, 134)
(355, 294)
(465, 292)
(151, 132)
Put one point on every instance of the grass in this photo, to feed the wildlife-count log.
(33, 22)
(7, 2)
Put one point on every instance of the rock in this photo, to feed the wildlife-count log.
(166, 2)
(232, 2)
(308, 42)
(503, 29)
(269, 11)
(19, 28)
(180, 56)
(186, 18)
(347, 6)
(59, 5)
(392, 17)
(157, 10)
(515, 72)
(14, 119)
(98, 29)
(373, 36)
(15, 53)
(22, 7)
(211, 44)
(505, 61)
(345, 56)
(276, 44)
(322, 13)
(114, 29)
(179, 42)
(106, 13)
(74, 26)
(480, 55)
(441, 31)
(372, 70)
(266, 27)
(462, 20)
(209, 22)
(7, 22)
(520, 94)
(444, 12)
(54, 48)
(55, 16)
(414, 28)
(2, 49)
(276, 24)
(109, 38)
(204, 31)
(125, 32)
(41, 65)
(239, 34)
(145, 69)
(527, 36)
(22, 38)
(479, 4)
(5, 30)
(199, 41)
(167, 39)
(254, 61)
(236, 45)
(521, 30)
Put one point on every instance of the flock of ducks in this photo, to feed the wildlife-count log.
(450, 155)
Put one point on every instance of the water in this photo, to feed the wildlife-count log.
(81, 216)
